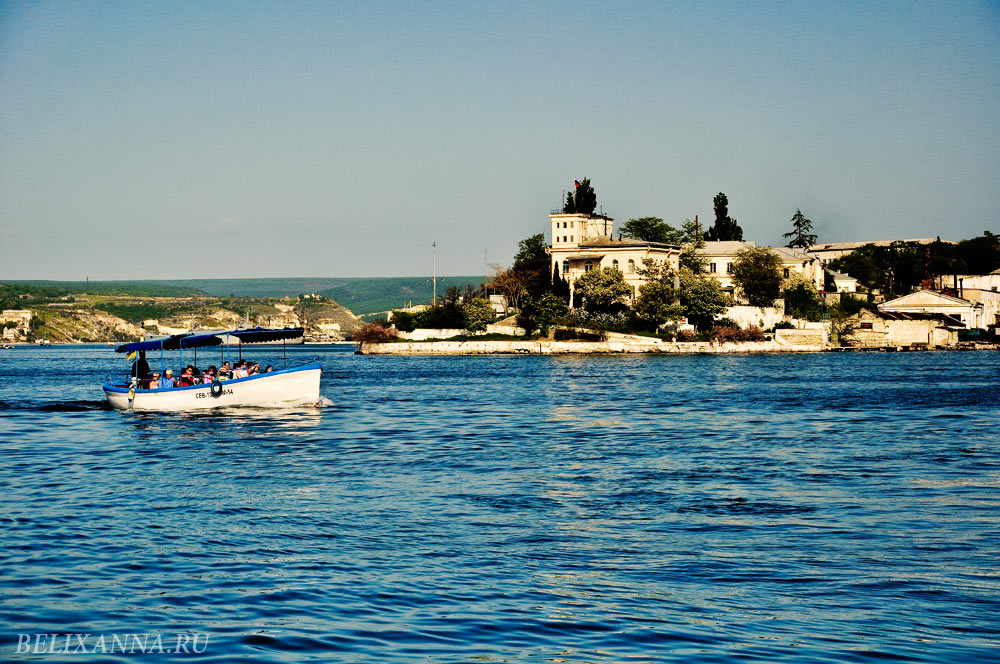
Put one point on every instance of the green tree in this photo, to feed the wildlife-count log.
(725, 227)
(981, 255)
(477, 313)
(532, 264)
(657, 301)
(801, 234)
(652, 229)
(802, 300)
(404, 321)
(583, 201)
(893, 269)
(542, 313)
(757, 274)
(603, 289)
(701, 298)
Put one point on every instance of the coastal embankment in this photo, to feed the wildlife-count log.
(800, 341)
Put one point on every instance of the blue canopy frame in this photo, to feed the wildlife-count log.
(184, 340)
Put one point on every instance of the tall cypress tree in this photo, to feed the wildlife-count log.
(725, 227)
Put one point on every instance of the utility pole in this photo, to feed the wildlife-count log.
(434, 301)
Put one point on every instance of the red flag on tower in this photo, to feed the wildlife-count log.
(576, 183)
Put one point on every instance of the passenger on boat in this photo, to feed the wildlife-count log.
(155, 382)
(168, 382)
(225, 373)
(268, 369)
(186, 379)
(240, 370)
(254, 368)
(140, 368)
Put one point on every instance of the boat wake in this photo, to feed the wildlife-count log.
(55, 406)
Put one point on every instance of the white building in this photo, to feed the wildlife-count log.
(976, 310)
(722, 255)
(20, 317)
(883, 328)
(582, 242)
(844, 283)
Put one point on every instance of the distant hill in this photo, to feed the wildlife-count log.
(362, 295)
(141, 288)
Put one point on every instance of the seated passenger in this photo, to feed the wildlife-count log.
(225, 373)
(168, 382)
(268, 369)
(240, 370)
(254, 368)
(155, 381)
(208, 375)
(186, 379)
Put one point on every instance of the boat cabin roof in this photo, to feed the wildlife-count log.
(255, 335)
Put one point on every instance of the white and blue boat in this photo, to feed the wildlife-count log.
(282, 388)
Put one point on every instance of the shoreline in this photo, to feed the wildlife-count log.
(620, 347)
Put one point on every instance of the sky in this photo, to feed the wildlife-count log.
(158, 140)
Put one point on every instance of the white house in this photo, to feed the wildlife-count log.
(20, 317)
(584, 242)
(882, 328)
(722, 255)
(844, 283)
(978, 310)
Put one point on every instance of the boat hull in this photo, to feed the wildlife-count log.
(298, 386)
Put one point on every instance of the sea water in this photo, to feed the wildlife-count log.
(773, 508)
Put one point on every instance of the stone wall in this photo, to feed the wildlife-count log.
(763, 317)
(546, 347)
(806, 337)
(422, 334)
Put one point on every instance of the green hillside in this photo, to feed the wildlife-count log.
(55, 289)
(361, 295)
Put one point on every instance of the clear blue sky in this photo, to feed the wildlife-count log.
(238, 139)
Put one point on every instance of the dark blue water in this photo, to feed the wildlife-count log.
(785, 508)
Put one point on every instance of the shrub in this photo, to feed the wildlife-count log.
(686, 335)
(562, 334)
(477, 313)
(404, 321)
(373, 333)
(727, 333)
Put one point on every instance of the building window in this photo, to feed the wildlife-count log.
(588, 266)
(565, 268)
(614, 263)
(786, 273)
(572, 238)
(729, 268)
(866, 326)
(631, 266)
(711, 268)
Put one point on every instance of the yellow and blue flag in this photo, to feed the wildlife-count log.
(131, 356)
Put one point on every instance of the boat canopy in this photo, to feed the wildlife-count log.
(261, 335)
(191, 340)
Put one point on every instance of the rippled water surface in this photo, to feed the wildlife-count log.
(806, 508)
